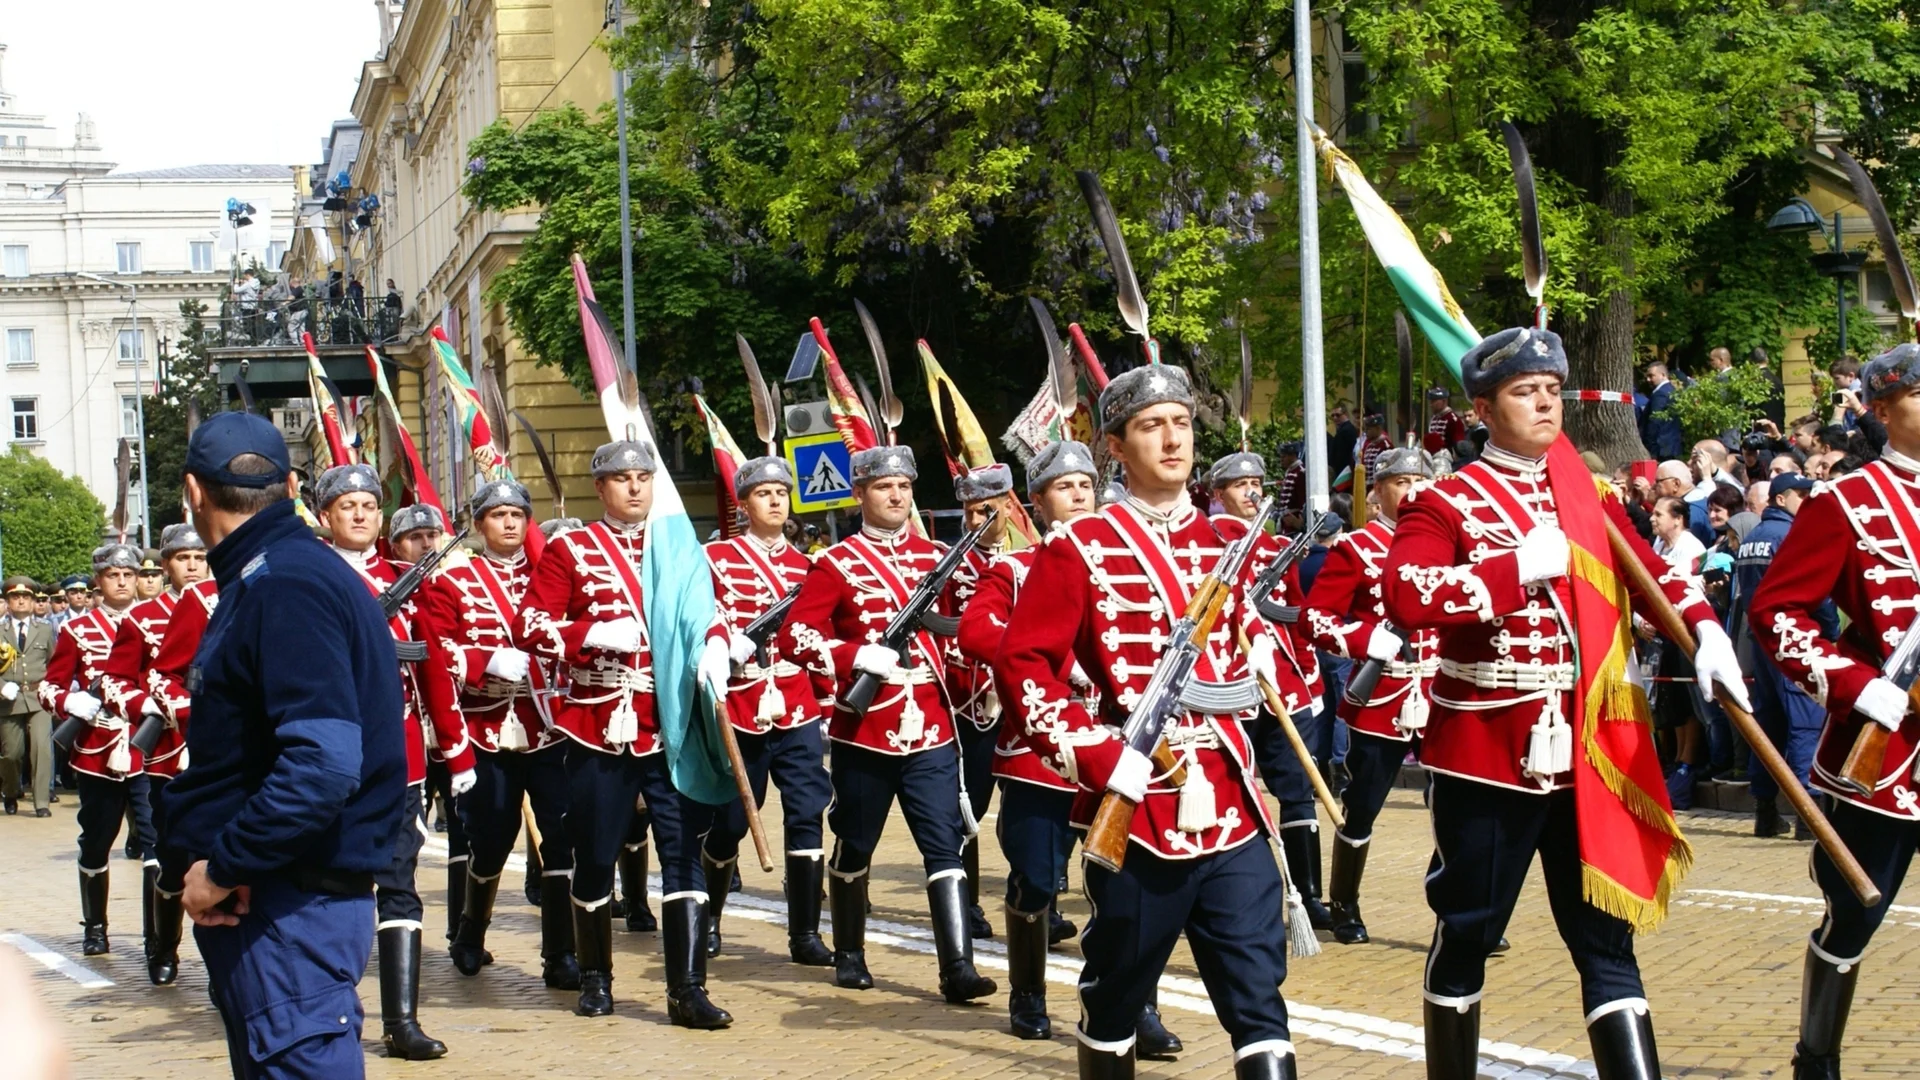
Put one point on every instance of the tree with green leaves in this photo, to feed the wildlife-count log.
(186, 380)
(49, 522)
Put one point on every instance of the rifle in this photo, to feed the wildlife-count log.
(1269, 578)
(917, 612)
(397, 594)
(1106, 842)
(1866, 761)
(1360, 688)
(768, 623)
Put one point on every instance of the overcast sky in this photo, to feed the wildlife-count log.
(190, 82)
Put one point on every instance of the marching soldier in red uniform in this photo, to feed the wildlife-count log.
(584, 613)
(771, 704)
(902, 747)
(1291, 493)
(1104, 593)
(1345, 615)
(501, 696)
(1445, 429)
(347, 501)
(1374, 441)
(1236, 480)
(106, 766)
(976, 707)
(1537, 739)
(1856, 541)
(127, 688)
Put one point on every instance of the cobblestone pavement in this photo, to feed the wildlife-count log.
(1723, 977)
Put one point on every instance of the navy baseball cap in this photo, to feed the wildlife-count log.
(227, 436)
(1786, 482)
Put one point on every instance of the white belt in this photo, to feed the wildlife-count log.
(1400, 669)
(1196, 737)
(502, 690)
(918, 675)
(620, 678)
(781, 669)
(1507, 674)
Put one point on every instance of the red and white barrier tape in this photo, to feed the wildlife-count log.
(1597, 395)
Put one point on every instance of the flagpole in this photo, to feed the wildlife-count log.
(1312, 372)
(626, 207)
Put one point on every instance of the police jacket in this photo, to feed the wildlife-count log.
(298, 755)
(1750, 565)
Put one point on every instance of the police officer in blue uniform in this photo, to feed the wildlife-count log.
(299, 769)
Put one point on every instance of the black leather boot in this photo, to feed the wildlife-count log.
(1343, 889)
(536, 872)
(148, 872)
(163, 954)
(1622, 1040)
(1027, 974)
(849, 902)
(684, 934)
(1766, 818)
(469, 948)
(559, 968)
(1059, 929)
(399, 948)
(1302, 844)
(1826, 997)
(633, 891)
(93, 912)
(593, 944)
(1104, 1065)
(456, 895)
(719, 879)
(1453, 1041)
(804, 874)
(1152, 1041)
(978, 927)
(1265, 1065)
(959, 981)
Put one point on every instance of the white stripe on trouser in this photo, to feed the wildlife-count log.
(1120, 1047)
(1305, 824)
(955, 872)
(451, 859)
(94, 872)
(556, 873)
(1637, 1004)
(1841, 965)
(482, 880)
(591, 905)
(1279, 1048)
(411, 924)
(155, 863)
(689, 894)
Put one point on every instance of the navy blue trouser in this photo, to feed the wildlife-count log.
(394, 892)
(1374, 764)
(103, 806)
(1485, 838)
(285, 979)
(1231, 907)
(1334, 672)
(1885, 847)
(1037, 840)
(1793, 722)
(490, 812)
(866, 783)
(602, 790)
(1286, 777)
(793, 757)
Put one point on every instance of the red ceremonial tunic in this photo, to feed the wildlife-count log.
(1504, 651)
(853, 591)
(1299, 667)
(466, 615)
(447, 737)
(124, 681)
(969, 680)
(79, 659)
(1445, 430)
(1340, 616)
(1105, 591)
(749, 578)
(1291, 494)
(1857, 541)
(1373, 448)
(167, 673)
(983, 626)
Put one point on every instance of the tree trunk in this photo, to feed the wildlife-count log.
(1600, 354)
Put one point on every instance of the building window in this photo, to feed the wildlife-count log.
(26, 419)
(14, 260)
(19, 348)
(132, 346)
(276, 254)
(200, 253)
(127, 258)
(1353, 83)
(129, 416)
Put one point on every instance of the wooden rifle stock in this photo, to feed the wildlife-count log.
(1860, 773)
(1667, 618)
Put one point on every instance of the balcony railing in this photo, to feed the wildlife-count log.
(269, 322)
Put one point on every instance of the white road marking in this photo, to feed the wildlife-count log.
(1357, 1031)
(1781, 898)
(88, 978)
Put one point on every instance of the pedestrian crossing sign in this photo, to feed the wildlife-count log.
(823, 466)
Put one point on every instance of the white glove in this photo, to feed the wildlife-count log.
(1883, 703)
(740, 648)
(1714, 662)
(151, 708)
(1261, 659)
(1384, 644)
(1078, 676)
(620, 635)
(1130, 775)
(876, 660)
(463, 782)
(9, 690)
(510, 664)
(714, 665)
(82, 705)
(1542, 555)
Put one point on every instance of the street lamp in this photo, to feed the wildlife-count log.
(139, 397)
(1836, 262)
